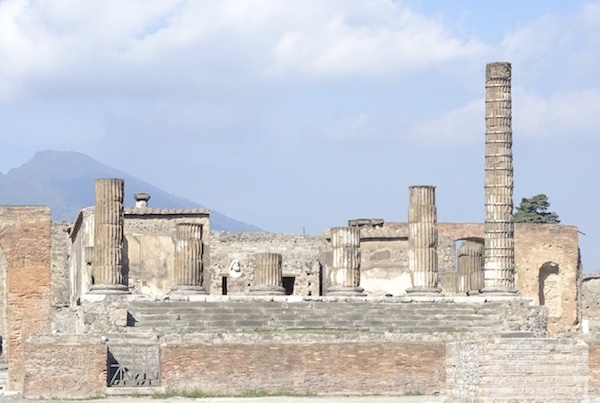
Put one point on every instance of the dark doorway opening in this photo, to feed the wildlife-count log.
(288, 284)
(224, 285)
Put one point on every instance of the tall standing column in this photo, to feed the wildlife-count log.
(423, 240)
(189, 267)
(499, 255)
(268, 275)
(108, 237)
(344, 278)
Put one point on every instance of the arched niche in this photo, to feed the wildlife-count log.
(549, 288)
(469, 264)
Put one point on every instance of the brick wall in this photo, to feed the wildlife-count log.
(64, 366)
(323, 367)
(556, 248)
(25, 240)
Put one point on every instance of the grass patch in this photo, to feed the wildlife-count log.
(200, 394)
(413, 393)
(94, 397)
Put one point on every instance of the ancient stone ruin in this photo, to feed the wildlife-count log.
(499, 259)
(423, 241)
(154, 300)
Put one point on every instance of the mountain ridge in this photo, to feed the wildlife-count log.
(64, 180)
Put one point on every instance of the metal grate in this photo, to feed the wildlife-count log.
(133, 365)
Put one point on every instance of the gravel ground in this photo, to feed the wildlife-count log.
(278, 399)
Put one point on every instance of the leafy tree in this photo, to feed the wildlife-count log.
(535, 210)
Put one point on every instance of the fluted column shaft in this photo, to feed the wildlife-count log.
(268, 274)
(188, 275)
(470, 265)
(108, 237)
(422, 240)
(499, 260)
(345, 271)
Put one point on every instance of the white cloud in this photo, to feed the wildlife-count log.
(536, 42)
(457, 127)
(571, 114)
(69, 40)
(561, 49)
(555, 85)
(111, 45)
(369, 38)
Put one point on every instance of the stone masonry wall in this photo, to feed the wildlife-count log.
(384, 258)
(332, 367)
(590, 301)
(548, 270)
(60, 264)
(64, 366)
(519, 369)
(25, 240)
(231, 250)
(64, 317)
(3, 301)
(546, 257)
(81, 254)
(594, 365)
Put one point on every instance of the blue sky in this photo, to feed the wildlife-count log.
(291, 115)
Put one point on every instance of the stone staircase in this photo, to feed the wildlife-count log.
(316, 316)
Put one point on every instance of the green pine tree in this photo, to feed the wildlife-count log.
(535, 210)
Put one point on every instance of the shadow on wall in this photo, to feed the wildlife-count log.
(549, 288)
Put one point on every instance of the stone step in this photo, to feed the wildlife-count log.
(212, 310)
(232, 316)
(321, 323)
(309, 306)
(131, 337)
(174, 317)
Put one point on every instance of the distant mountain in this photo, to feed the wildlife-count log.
(64, 180)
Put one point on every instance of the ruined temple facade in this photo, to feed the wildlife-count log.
(546, 257)
(417, 305)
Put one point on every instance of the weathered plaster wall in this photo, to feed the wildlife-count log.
(25, 240)
(384, 258)
(301, 259)
(149, 250)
